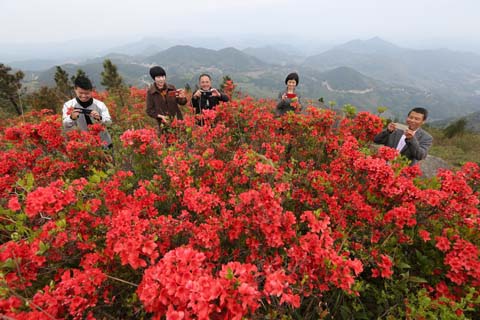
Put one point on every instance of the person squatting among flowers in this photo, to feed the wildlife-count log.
(84, 110)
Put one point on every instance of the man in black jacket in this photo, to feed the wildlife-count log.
(206, 97)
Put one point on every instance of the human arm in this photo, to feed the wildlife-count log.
(382, 137)
(181, 98)
(419, 147)
(283, 105)
(220, 95)
(223, 97)
(150, 106)
(195, 102)
(69, 115)
(102, 115)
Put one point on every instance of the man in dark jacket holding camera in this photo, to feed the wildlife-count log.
(206, 97)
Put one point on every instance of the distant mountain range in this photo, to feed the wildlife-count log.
(472, 122)
(425, 69)
(366, 74)
(453, 77)
(273, 55)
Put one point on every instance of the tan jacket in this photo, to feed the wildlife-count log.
(164, 102)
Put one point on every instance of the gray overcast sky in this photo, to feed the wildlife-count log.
(406, 20)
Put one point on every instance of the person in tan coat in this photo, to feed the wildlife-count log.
(163, 99)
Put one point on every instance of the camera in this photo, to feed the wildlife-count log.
(206, 93)
(84, 111)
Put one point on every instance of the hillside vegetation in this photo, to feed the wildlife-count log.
(457, 150)
(364, 73)
(247, 217)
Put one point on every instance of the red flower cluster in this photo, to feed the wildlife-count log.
(181, 286)
(248, 216)
(47, 201)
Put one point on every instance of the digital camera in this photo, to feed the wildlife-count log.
(84, 111)
(206, 93)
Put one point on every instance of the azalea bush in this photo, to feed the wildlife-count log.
(248, 216)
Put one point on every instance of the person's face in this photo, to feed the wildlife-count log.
(160, 81)
(291, 84)
(205, 83)
(82, 94)
(415, 120)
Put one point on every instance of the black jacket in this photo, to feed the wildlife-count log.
(207, 101)
(283, 106)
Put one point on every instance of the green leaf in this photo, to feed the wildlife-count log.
(95, 179)
(43, 248)
(62, 223)
(403, 265)
(345, 312)
(416, 279)
(229, 275)
(8, 264)
(27, 182)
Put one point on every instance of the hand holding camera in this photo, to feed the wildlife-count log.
(215, 92)
(409, 134)
(197, 94)
(82, 110)
(74, 113)
(391, 127)
(77, 111)
(95, 115)
(206, 93)
(180, 93)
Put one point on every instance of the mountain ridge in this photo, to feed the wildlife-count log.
(341, 83)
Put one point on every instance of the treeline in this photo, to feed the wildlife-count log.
(454, 143)
(14, 100)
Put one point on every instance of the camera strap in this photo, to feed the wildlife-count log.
(85, 105)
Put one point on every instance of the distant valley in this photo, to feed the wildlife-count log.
(366, 74)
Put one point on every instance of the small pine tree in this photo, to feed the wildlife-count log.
(45, 98)
(113, 82)
(80, 73)
(110, 77)
(455, 129)
(63, 83)
(10, 86)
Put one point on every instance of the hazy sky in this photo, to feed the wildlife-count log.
(28, 21)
